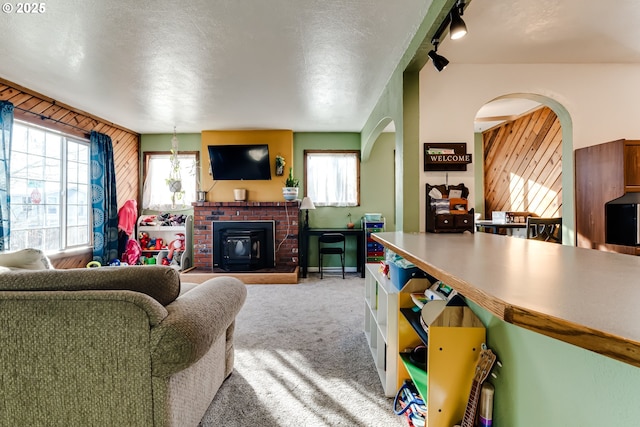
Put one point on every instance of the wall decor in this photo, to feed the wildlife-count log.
(446, 156)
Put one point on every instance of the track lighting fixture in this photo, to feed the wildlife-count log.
(458, 28)
(439, 61)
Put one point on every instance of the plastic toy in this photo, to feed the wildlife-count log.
(176, 245)
(144, 240)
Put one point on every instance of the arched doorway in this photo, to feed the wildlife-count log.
(380, 155)
(524, 147)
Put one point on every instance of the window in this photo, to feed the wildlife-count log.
(332, 178)
(156, 194)
(49, 189)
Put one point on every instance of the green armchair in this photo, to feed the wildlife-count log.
(113, 346)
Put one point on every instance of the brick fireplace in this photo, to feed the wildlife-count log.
(284, 214)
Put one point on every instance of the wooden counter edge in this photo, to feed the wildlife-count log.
(494, 305)
(613, 346)
(609, 345)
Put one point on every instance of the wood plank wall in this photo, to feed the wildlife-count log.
(50, 113)
(523, 165)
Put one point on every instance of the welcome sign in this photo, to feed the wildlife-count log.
(446, 156)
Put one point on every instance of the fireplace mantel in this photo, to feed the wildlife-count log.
(293, 204)
(285, 214)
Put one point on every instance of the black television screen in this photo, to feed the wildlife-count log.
(240, 162)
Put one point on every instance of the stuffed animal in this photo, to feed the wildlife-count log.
(144, 240)
(176, 245)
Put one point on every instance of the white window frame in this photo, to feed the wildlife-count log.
(30, 197)
(332, 177)
(156, 194)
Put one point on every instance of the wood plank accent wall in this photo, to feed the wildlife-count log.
(523, 165)
(126, 143)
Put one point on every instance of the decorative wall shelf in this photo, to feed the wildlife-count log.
(446, 156)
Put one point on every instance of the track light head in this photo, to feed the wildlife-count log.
(458, 28)
(439, 61)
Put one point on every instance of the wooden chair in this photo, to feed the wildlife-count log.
(329, 244)
(545, 229)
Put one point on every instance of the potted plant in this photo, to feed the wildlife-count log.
(350, 224)
(290, 189)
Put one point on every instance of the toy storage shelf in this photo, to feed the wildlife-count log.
(380, 325)
(453, 341)
(418, 375)
(374, 251)
(168, 233)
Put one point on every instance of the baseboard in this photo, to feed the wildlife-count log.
(286, 278)
(333, 269)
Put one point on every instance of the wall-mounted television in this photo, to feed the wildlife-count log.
(240, 162)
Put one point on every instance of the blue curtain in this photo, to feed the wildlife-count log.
(6, 125)
(104, 199)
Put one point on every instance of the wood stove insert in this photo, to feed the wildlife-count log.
(243, 245)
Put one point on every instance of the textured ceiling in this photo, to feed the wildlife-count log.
(312, 65)
(548, 31)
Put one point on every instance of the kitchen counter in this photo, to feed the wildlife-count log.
(585, 297)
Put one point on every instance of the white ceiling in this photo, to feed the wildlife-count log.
(313, 65)
(502, 110)
(150, 65)
(543, 31)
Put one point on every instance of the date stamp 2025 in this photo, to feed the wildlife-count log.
(24, 8)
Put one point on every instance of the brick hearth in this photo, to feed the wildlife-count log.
(285, 215)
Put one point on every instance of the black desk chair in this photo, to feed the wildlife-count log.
(545, 229)
(329, 244)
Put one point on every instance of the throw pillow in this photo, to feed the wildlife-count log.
(26, 259)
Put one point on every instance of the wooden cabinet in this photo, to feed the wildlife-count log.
(603, 172)
(632, 166)
(454, 217)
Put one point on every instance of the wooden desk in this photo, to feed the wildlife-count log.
(554, 290)
(494, 227)
(348, 232)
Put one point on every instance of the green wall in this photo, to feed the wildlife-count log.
(376, 177)
(162, 142)
(376, 185)
(399, 103)
(543, 381)
(547, 382)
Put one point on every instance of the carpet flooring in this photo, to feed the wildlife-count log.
(301, 359)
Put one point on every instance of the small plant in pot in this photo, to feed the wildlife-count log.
(290, 189)
(350, 224)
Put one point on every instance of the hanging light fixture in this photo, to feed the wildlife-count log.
(458, 28)
(439, 61)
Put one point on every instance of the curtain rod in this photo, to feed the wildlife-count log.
(43, 117)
